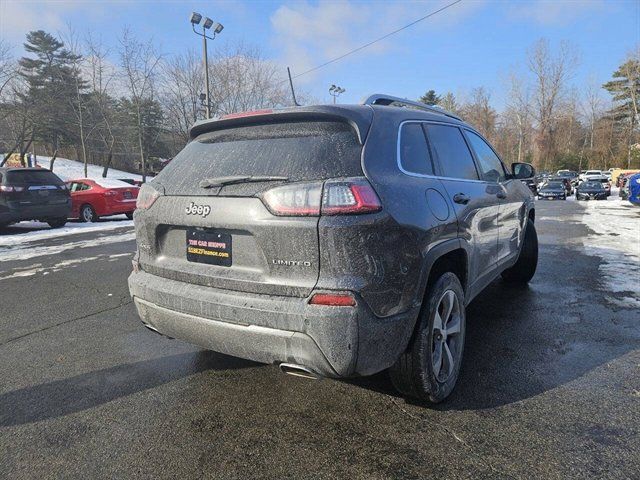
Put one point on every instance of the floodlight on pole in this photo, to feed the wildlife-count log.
(335, 91)
(196, 18)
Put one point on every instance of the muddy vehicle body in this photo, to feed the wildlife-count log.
(333, 241)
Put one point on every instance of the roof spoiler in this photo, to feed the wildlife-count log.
(358, 119)
(384, 99)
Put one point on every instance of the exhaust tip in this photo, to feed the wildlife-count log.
(298, 371)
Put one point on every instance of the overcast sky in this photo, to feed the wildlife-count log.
(474, 43)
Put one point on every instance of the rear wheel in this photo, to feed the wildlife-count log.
(525, 267)
(57, 222)
(88, 214)
(429, 368)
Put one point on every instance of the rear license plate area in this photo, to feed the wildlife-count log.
(209, 246)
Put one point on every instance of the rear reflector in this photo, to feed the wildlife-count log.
(333, 299)
(335, 197)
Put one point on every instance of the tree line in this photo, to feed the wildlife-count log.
(125, 107)
(130, 105)
(552, 123)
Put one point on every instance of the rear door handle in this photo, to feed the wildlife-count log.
(501, 195)
(461, 198)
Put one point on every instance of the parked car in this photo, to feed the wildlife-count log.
(606, 183)
(553, 190)
(33, 194)
(591, 190)
(333, 240)
(634, 189)
(622, 178)
(565, 181)
(570, 175)
(590, 173)
(92, 199)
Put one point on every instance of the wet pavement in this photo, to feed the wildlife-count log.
(550, 386)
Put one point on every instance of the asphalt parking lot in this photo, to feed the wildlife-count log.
(550, 386)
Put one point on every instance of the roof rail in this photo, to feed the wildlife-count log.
(383, 99)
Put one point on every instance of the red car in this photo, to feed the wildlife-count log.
(92, 199)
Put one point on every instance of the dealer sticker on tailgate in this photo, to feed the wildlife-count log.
(209, 247)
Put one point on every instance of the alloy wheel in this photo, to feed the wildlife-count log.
(445, 350)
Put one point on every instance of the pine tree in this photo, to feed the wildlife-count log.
(52, 81)
(625, 89)
(430, 98)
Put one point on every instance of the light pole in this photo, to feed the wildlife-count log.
(195, 19)
(335, 92)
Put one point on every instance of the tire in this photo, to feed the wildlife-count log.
(525, 268)
(57, 222)
(417, 373)
(88, 214)
(129, 215)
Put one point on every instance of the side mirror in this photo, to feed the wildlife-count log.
(523, 171)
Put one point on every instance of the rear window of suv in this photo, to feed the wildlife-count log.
(297, 150)
(32, 177)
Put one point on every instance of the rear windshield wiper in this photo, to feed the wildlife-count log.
(222, 181)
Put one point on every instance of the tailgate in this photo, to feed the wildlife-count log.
(238, 245)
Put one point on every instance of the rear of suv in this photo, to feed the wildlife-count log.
(33, 194)
(333, 241)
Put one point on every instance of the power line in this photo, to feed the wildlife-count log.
(376, 40)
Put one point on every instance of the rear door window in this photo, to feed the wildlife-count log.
(451, 151)
(414, 152)
(491, 168)
(298, 150)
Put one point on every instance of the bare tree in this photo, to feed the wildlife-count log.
(139, 61)
(243, 80)
(182, 83)
(8, 67)
(551, 74)
(78, 106)
(479, 112)
(102, 75)
(519, 108)
(592, 107)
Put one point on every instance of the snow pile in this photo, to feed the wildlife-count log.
(72, 170)
(616, 240)
(41, 231)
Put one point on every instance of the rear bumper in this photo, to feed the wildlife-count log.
(35, 212)
(331, 341)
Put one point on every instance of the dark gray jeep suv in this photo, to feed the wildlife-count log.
(332, 240)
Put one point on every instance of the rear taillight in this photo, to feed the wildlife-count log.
(333, 299)
(298, 199)
(146, 197)
(350, 196)
(110, 193)
(334, 197)
(10, 188)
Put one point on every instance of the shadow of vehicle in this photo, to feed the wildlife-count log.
(81, 392)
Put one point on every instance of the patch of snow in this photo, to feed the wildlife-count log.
(40, 231)
(616, 240)
(72, 170)
(25, 252)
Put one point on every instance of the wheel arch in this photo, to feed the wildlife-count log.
(449, 256)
